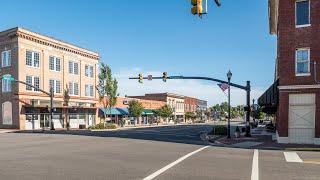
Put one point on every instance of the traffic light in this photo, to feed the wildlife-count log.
(197, 7)
(218, 2)
(140, 78)
(165, 77)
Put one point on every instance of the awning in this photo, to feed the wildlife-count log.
(148, 112)
(269, 100)
(115, 111)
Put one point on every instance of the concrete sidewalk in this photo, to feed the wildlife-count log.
(8, 130)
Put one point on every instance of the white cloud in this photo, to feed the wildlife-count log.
(199, 89)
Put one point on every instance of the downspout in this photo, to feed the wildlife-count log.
(315, 72)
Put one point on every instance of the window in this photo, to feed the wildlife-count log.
(73, 67)
(89, 71)
(302, 13)
(32, 59)
(89, 90)
(56, 85)
(54, 63)
(6, 85)
(73, 88)
(33, 80)
(6, 58)
(302, 61)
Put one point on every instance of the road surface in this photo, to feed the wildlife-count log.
(175, 152)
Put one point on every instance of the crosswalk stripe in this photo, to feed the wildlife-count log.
(292, 157)
(255, 165)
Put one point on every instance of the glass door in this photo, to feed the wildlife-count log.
(44, 121)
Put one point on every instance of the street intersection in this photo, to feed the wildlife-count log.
(175, 152)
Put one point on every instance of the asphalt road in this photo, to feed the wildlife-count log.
(151, 153)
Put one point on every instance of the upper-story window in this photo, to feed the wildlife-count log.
(6, 85)
(302, 13)
(89, 90)
(56, 85)
(73, 88)
(32, 80)
(54, 63)
(6, 58)
(89, 71)
(73, 67)
(303, 61)
(32, 59)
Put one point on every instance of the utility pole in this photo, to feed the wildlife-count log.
(229, 75)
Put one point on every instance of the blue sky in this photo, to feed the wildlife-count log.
(152, 36)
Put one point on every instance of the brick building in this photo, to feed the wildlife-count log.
(175, 101)
(46, 62)
(190, 104)
(123, 102)
(295, 96)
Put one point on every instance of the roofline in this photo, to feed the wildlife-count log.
(20, 30)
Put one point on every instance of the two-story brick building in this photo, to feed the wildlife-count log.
(46, 62)
(295, 96)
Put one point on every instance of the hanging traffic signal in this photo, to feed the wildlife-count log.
(218, 2)
(165, 77)
(140, 78)
(197, 7)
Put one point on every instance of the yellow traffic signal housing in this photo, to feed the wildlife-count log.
(165, 77)
(140, 78)
(197, 7)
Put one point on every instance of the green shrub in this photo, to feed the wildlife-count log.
(220, 130)
(111, 126)
(97, 126)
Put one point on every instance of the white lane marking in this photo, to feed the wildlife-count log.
(160, 171)
(255, 165)
(292, 157)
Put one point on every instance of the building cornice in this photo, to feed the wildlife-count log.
(316, 86)
(53, 43)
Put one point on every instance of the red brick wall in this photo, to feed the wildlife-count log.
(190, 104)
(290, 38)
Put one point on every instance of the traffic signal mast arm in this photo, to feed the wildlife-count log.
(199, 78)
(38, 89)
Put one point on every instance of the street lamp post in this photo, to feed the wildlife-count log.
(253, 117)
(51, 109)
(229, 75)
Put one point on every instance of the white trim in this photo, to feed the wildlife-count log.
(282, 140)
(295, 16)
(317, 141)
(316, 86)
(302, 26)
(303, 74)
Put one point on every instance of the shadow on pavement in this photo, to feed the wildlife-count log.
(187, 134)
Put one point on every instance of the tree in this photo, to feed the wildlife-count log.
(191, 115)
(135, 109)
(165, 112)
(107, 88)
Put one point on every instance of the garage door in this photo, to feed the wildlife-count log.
(301, 118)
